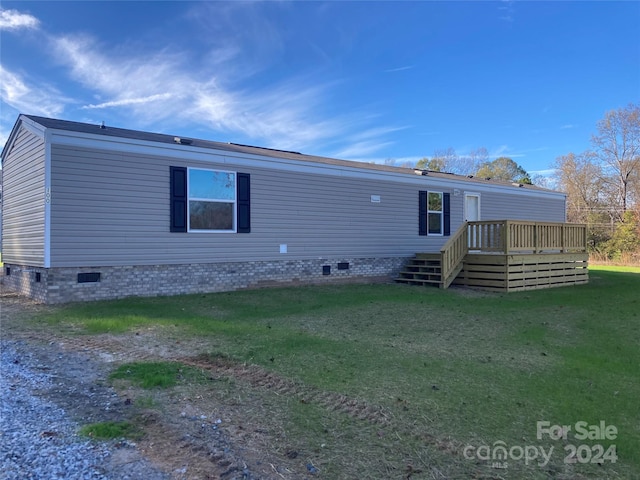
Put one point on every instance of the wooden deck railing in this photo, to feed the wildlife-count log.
(515, 236)
(506, 237)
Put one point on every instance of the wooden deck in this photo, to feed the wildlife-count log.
(505, 255)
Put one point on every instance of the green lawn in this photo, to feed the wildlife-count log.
(455, 372)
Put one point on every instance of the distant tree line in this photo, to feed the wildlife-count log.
(475, 164)
(603, 186)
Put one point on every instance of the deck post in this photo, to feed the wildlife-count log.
(506, 238)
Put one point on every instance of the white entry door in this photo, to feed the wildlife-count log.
(472, 214)
(472, 207)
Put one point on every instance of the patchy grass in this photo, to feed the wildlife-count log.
(157, 374)
(450, 369)
(110, 430)
(615, 268)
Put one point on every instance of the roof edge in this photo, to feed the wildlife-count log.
(21, 120)
(95, 130)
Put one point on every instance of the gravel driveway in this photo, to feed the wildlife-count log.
(38, 428)
(51, 384)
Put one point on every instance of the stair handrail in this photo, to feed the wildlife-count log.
(452, 254)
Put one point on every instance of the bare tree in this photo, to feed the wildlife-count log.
(449, 161)
(634, 189)
(617, 146)
(581, 178)
(445, 161)
(476, 159)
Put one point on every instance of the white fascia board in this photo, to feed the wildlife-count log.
(33, 127)
(242, 159)
(27, 124)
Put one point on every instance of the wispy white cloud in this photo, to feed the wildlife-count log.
(568, 126)
(500, 151)
(161, 86)
(506, 151)
(507, 11)
(211, 90)
(121, 77)
(399, 69)
(361, 150)
(376, 132)
(26, 97)
(129, 101)
(14, 20)
(364, 143)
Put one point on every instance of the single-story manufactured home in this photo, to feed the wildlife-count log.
(98, 212)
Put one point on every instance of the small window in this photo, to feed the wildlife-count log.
(435, 213)
(212, 200)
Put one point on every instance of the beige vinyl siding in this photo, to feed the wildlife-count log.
(113, 209)
(521, 207)
(23, 209)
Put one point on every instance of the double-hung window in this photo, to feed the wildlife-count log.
(212, 200)
(435, 213)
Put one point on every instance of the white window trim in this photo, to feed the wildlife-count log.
(441, 212)
(235, 201)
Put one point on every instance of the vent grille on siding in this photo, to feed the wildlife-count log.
(91, 277)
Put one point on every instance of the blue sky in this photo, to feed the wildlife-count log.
(368, 81)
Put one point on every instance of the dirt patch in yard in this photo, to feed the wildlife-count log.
(216, 430)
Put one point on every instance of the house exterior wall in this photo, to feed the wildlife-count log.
(113, 209)
(541, 209)
(23, 205)
(80, 204)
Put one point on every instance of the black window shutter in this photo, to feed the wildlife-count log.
(446, 213)
(244, 201)
(178, 178)
(422, 212)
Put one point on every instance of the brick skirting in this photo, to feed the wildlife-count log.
(62, 284)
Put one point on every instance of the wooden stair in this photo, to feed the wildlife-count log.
(422, 269)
